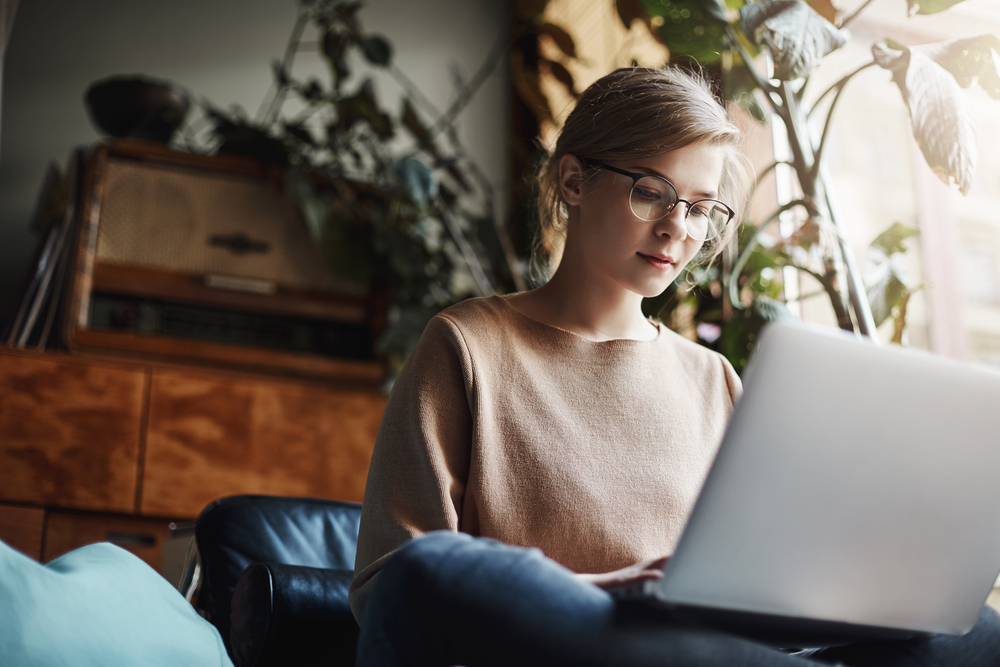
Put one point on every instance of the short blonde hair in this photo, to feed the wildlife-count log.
(637, 112)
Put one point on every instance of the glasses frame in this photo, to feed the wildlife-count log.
(635, 176)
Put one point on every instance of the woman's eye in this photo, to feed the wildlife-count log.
(646, 194)
(699, 210)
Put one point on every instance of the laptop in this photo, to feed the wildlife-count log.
(855, 496)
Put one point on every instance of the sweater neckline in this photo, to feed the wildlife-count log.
(502, 298)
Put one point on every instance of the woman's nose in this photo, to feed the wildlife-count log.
(674, 224)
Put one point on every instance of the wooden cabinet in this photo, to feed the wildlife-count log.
(69, 433)
(209, 437)
(95, 449)
(143, 536)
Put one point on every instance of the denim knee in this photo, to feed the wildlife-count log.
(414, 571)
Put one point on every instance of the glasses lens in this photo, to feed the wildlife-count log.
(652, 198)
(706, 219)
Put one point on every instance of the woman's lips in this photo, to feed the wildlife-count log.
(659, 261)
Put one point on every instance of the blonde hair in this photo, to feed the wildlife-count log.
(637, 112)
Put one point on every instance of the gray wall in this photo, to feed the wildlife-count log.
(219, 49)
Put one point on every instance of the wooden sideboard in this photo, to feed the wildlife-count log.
(95, 449)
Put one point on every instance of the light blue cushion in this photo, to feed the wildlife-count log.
(98, 606)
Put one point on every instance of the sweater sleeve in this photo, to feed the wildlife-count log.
(732, 381)
(419, 468)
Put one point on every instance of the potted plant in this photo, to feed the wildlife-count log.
(763, 53)
(396, 203)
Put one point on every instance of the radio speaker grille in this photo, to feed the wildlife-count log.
(199, 222)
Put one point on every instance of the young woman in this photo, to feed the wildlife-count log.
(541, 448)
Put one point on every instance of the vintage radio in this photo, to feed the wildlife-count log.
(205, 259)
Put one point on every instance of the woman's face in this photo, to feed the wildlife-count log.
(638, 255)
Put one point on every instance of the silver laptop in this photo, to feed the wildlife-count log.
(855, 496)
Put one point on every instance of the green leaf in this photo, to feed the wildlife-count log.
(334, 47)
(886, 282)
(377, 50)
(310, 202)
(969, 60)
(796, 35)
(299, 132)
(691, 29)
(241, 137)
(362, 108)
(417, 181)
(945, 124)
(715, 9)
(891, 240)
(739, 334)
(930, 6)
(771, 310)
(347, 10)
(739, 85)
(280, 74)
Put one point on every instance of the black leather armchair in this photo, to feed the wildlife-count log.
(275, 574)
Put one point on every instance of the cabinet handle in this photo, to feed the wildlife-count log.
(131, 539)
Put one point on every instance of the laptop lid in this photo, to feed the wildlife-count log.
(855, 485)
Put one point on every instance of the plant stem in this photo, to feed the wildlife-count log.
(485, 286)
(814, 184)
(734, 278)
(506, 244)
(787, 103)
(311, 110)
(829, 283)
(840, 84)
(855, 287)
(803, 297)
(468, 91)
(797, 135)
(761, 82)
(771, 167)
(269, 109)
(817, 158)
(413, 92)
(899, 321)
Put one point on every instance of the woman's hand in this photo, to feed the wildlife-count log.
(648, 570)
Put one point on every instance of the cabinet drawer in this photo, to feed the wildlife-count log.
(69, 433)
(210, 437)
(65, 531)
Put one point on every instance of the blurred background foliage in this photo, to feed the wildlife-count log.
(398, 205)
(394, 200)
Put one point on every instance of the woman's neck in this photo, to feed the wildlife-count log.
(579, 302)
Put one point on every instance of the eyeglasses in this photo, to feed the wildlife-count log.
(653, 197)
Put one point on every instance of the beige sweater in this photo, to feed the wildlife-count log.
(505, 427)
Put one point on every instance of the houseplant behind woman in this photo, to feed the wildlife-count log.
(542, 448)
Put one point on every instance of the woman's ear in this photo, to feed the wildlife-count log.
(571, 181)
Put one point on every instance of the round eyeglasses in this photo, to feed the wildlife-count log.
(654, 197)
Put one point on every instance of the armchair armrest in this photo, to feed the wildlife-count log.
(292, 615)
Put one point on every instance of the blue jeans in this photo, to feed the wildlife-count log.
(451, 599)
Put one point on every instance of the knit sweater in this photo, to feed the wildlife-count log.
(504, 427)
